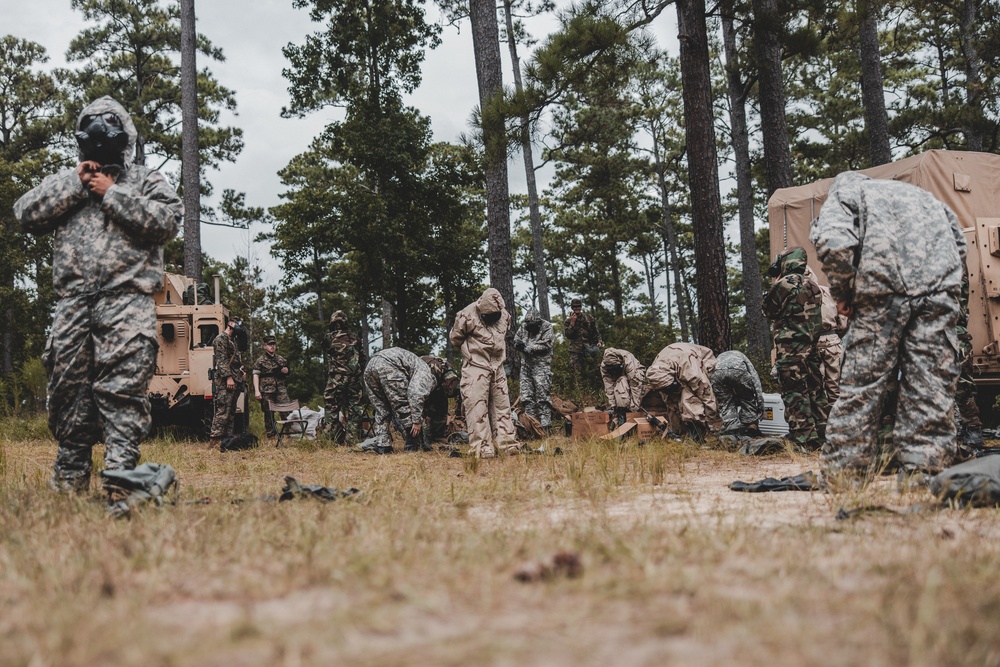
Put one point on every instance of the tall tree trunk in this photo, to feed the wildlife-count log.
(872, 93)
(534, 214)
(190, 168)
(973, 74)
(777, 155)
(486, 44)
(669, 235)
(703, 177)
(386, 323)
(758, 340)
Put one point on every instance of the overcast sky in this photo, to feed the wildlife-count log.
(251, 34)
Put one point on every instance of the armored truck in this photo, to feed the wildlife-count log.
(187, 321)
(965, 181)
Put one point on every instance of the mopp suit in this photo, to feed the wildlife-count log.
(107, 263)
(398, 383)
(896, 255)
(478, 333)
(534, 339)
(682, 374)
(737, 389)
(624, 378)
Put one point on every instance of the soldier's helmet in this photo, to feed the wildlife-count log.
(338, 319)
(575, 302)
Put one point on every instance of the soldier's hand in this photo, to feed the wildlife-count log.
(257, 395)
(86, 170)
(230, 383)
(415, 429)
(284, 369)
(99, 183)
(845, 308)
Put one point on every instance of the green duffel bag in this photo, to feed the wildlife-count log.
(975, 482)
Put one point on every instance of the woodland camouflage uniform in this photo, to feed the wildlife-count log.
(794, 307)
(682, 374)
(830, 347)
(272, 384)
(398, 383)
(581, 333)
(624, 379)
(737, 389)
(970, 424)
(534, 340)
(107, 262)
(479, 332)
(228, 363)
(896, 255)
(436, 405)
(343, 394)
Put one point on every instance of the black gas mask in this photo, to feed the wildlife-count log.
(533, 327)
(240, 335)
(614, 370)
(103, 139)
(775, 269)
(490, 318)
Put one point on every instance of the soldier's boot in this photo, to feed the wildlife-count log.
(910, 478)
(696, 431)
(972, 437)
(78, 485)
(375, 446)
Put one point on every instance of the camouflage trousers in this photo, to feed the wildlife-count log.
(536, 391)
(801, 381)
(436, 411)
(279, 395)
(691, 409)
(580, 368)
(736, 395)
(388, 391)
(831, 351)
(343, 395)
(916, 335)
(224, 400)
(100, 358)
(965, 394)
(487, 411)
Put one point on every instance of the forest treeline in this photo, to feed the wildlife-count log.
(657, 156)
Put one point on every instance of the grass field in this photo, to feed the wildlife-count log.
(419, 568)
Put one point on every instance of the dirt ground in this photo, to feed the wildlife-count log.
(420, 568)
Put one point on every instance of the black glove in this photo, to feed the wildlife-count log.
(519, 345)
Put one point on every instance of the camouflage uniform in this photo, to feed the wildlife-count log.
(107, 262)
(737, 388)
(681, 373)
(343, 394)
(794, 307)
(436, 406)
(624, 379)
(830, 347)
(228, 364)
(271, 380)
(896, 254)
(581, 332)
(969, 422)
(398, 383)
(534, 339)
(484, 381)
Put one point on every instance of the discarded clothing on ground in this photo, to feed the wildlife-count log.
(293, 489)
(975, 482)
(748, 446)
(238, 442)
(149, 481)
(807, 481)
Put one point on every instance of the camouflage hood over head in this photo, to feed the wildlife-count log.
(490, 302)
(532, 316)
(340, 317)
(613, 357)
(106, 104)
(793, 260)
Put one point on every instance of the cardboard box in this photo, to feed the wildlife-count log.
(589, 424)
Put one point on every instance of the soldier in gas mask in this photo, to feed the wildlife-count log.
(110, 219)
(624, 379)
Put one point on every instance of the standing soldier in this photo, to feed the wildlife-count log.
(583, 336)
(682, 374)
(895, 257)
(794, 306)
(398, 384)
(343, 395)
(479, 332)
(830, 347)
(110, 219)
(534, 339)
(269, 373)
(624, 378)
(227, 381)
(737, 389)
(436, 406)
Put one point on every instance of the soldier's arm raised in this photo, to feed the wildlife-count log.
(151, 214)
(45, 207)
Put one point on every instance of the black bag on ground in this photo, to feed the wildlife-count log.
(975, 482)
(236, 442)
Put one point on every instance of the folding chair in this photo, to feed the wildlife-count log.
(288, 426)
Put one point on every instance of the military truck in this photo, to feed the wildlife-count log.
(181, 390)
(965, 181)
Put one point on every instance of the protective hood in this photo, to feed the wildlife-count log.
(613, 357)
(793, 260)
(532, 317)
(105, 105)
(490, 302)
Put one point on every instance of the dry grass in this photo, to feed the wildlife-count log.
(418, 569)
